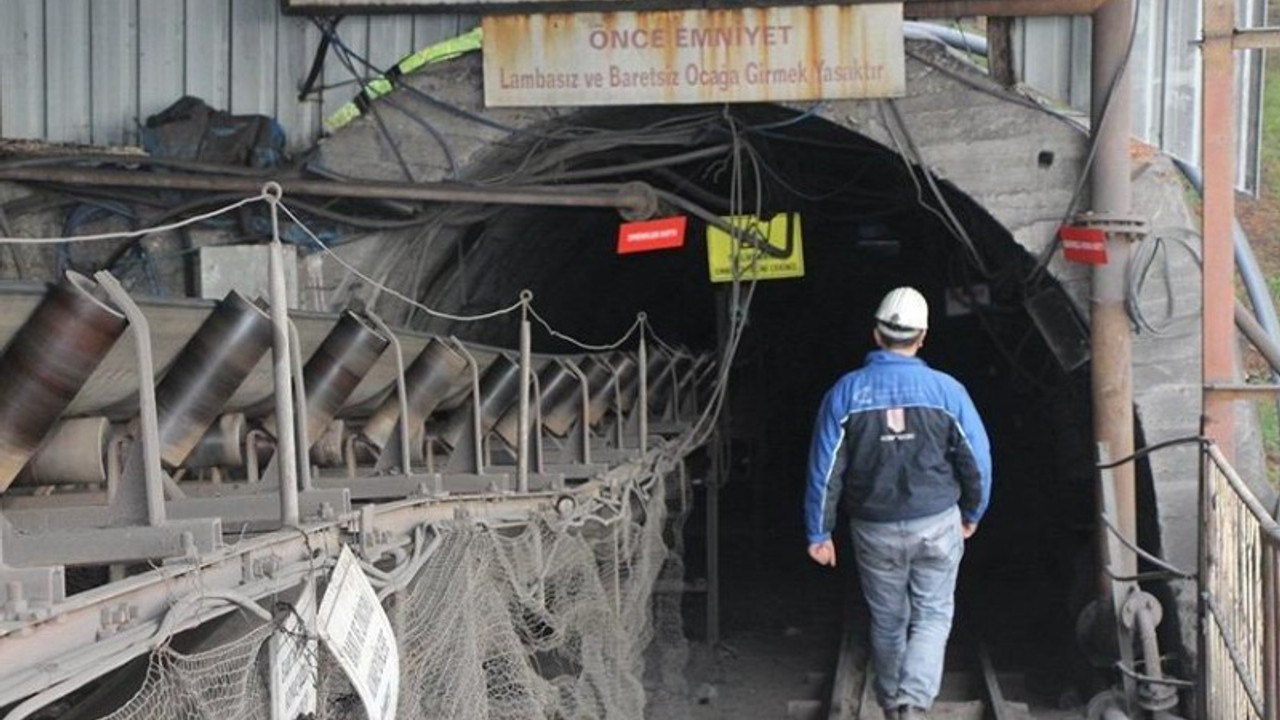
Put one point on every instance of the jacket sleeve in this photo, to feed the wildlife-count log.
(971, 459)
(826, 470)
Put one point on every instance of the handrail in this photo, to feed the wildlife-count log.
(1239, 620)
(1268, 524)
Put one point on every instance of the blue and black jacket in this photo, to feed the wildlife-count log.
(896, 440)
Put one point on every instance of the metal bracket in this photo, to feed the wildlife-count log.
(1132, 226)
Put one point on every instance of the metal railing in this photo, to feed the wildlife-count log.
(1240, 621)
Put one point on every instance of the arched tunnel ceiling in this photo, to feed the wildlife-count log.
(1008, 168)
(1018, 162)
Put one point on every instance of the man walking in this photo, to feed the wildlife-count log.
(903, 447)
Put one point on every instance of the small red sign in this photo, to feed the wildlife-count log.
(1083, 244)
(657, 234)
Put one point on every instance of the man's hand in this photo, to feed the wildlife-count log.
(823, 553)
(967, 529)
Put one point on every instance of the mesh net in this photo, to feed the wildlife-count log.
(547, 618)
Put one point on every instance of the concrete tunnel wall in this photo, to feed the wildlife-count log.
(1018, 161)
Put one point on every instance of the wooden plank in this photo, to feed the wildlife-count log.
(253, 57)
(160, 57)
(851, 686)
(67, 88)
(22, 71)
(114, 72)
(208, 51)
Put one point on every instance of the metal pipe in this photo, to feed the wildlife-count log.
(402, 398)
(629, 197)
(1262, 38)
(958, 39)
(477, 433)
(303, 417)
(222, 446)
(206, 372)
(522, 439)
(1112, 371)
(497, 392)
(1255, 283)
(556, 390)
(600, 377)
(1218, 163)
(334, 370)
(1256, 335)
(286, 447)
(643, 405)
(73, 453)
(148, 412)
(585, 384)
(432, 376)
(45, 364)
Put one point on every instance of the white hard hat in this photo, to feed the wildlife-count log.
(902, 314)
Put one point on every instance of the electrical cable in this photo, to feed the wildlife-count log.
(635, 167)
(1145, 451)
(1140, 264)
(391, 291)
(1047, 255)
(946, 215)
(400, 82)
(432, 131)
(128, 234)
(344, 58)
(584, 345)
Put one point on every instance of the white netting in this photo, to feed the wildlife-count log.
(226, 683)
(549, 618)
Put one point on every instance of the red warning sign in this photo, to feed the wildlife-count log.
(1083, 244)
(657, 234)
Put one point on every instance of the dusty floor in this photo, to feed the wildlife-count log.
(779, 639)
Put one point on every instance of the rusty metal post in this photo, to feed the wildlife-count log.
(1112, 370)
(1218, 165)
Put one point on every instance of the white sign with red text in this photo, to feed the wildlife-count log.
(762, 54)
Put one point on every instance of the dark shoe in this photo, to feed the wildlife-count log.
(908, 712)
(891, 713)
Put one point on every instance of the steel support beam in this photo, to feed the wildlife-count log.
(1263, 38)
(911, 8)
(1218, 164)
(1112, 371)
(631, 197)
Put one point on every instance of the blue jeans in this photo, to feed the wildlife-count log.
(908, 575)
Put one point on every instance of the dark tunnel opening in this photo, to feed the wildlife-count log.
(870, 222)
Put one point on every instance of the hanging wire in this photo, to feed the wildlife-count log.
(1047, 255)
(130, 234)
(945, 215)
(652, 334)
(381, 287)
(579, 343)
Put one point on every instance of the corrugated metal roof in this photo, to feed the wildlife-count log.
(1165, 71)
(92, 71)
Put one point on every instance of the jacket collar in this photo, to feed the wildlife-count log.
(887, 357)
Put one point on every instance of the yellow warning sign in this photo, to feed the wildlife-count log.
(728, 258)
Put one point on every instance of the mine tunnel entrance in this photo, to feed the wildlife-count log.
(870, 222)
